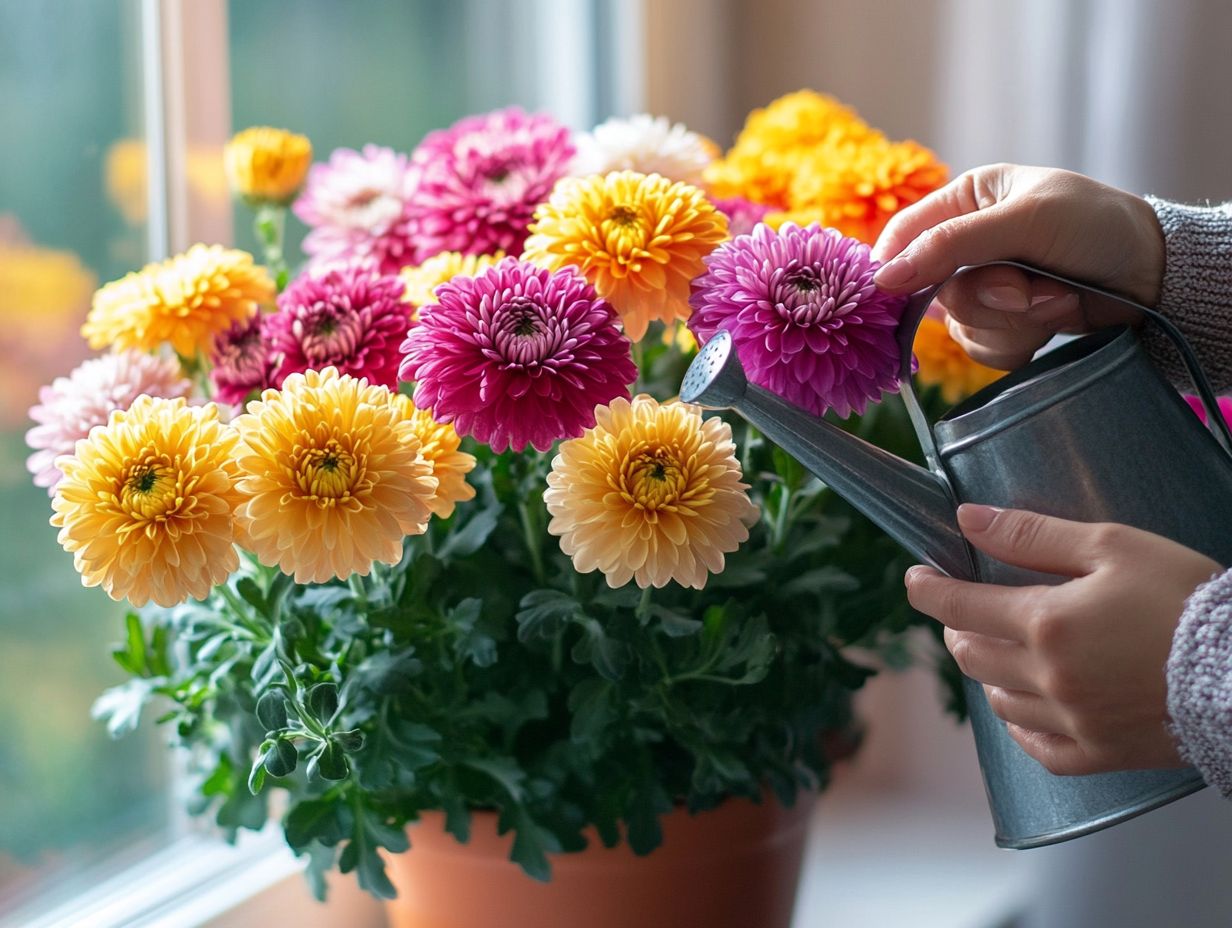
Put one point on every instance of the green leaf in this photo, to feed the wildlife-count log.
(387, 673)
(256, 776)
(322, 702)
(607, 655)
(504, 770)
(473, 643)
(470, 537)
(251, 592)
(824, 579)
(543, 613)
(457, 813)
(323, 599)
(131, 656)
(329, 762)
(531, 843)
(675, 624)
(326, 821)
(282, 758)
(350, 741)
(592, 705)
(120, 706)
(738, 575)
(272, 709)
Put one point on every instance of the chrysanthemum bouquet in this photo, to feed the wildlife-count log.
(421, 526)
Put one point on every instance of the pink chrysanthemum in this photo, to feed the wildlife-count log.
(806, 319)
(518, 355)
(72, 405)
(347, 317)
(482, 179)
(242, 361)
(742, 215)
(356, 205)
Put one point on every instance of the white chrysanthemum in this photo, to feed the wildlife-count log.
(647, 144)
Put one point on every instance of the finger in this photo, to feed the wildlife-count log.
(1027, 710)
(964, 194)
(986, 298)
(1034, 541)
(972, 607)
(993, 661)
(1004, 351)
(1060, 754)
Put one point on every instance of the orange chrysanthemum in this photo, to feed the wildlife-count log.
(855, 186)
(943, 363)
(638, 238)
(331, 476)
(184, 301)
(652, 493)
(147, 503)
(422, 279)
(267, 165)
(767, 153)
(438, 443)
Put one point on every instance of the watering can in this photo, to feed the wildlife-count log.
(1089, 431)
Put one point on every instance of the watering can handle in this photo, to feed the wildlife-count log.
(917, 306)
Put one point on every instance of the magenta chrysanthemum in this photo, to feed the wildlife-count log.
(72, 405)
(347, 317)
(356, 205)
(482, 179)
(518, 355)
(805, 317)
(242, 361)
(742, 215)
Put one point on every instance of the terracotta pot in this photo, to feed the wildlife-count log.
(736, 866)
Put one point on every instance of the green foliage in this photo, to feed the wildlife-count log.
(483, 672)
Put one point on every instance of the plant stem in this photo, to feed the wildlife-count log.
(270, 225)
(534, 542)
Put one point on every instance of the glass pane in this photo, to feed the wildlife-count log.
(381, 72)
(72, 215)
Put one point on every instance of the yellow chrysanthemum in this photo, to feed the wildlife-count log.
(147, 503)
(856, 186)
(679, 335)
(331, 476)
(126, 169)
(639, 239)
(439, 443)
(943, 363)
(267, 165)
(184, 301)
(652, 493)
(766, 156)
(422, 279)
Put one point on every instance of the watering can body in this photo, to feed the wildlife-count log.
(1090, 432)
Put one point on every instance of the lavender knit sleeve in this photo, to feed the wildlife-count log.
(1200, 682)
(1197, 290)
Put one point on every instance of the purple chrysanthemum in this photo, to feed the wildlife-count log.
(742, 215)
(356, 205)
(242, 361)
(806, 319)
(350, 318)
(518, 355)
(482, 179)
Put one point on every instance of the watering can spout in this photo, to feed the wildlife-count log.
(912, 505)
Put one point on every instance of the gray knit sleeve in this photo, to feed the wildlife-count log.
(1200, 682)
(1197, 290)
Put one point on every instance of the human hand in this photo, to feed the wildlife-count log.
(1056, 220)
(1077, 670)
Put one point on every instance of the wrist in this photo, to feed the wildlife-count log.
(1145, 275)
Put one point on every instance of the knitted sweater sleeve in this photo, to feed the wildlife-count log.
(1197, 290)
(1200, 682)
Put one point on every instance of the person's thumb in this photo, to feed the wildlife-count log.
(932, 256)
(1029, 539)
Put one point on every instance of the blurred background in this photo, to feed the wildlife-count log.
(113, 116)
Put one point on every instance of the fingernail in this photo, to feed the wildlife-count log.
(1054, 307)
(913, 573)
(973, 517)
(895, 274)
(1004, 298)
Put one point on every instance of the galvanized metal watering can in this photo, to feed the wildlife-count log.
(1090, 431)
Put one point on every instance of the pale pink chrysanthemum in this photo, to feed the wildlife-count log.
(242, 361)
(348, 317)
(482, 179)
(806, 319)
(742, 215)
(518, 355)
(646, 144)
(356, 205)
(72, 405)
